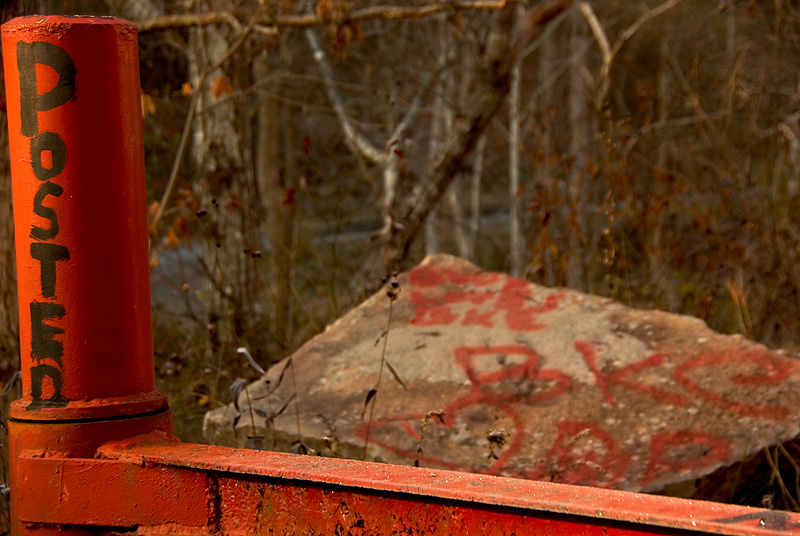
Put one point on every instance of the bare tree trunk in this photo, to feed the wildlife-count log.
(793, 181)
(663, 96)
(432, 224)
(432, 233)
(475, 200)
(514, 228)
(276, 191)
(543, 105)
(661, 279)
(453, 195)
(472, 226)
(730, 36)
(411, 208)
(442, 122)
(457, 215)
(215, 142)
(577, 206)
(289, 222)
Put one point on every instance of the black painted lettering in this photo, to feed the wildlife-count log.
(31, 102)
(47, 255)
(47, 188)
(52, 142)
(48, 160)
(38, 374)
(43, 345)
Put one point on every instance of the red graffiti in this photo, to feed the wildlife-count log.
(403, 435)
(683, 450)
(506, 379)
(499, 376)
(474, 317)
(583, 454)
(503, 377)
(430, 312)
(590, 356)
(513, 301)
(770, 369)
(623, 376)
(489, 372)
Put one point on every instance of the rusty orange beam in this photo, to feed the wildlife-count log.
(91, 444)
(156, 485)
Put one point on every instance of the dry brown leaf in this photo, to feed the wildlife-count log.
(148, 105)
(358, 31)
(186, 89)
(152, 210)
(324, 10)
(172, 239)
(458, 20)
(341, 37)
(220, 86)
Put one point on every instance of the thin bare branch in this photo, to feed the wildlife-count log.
(354, 138)
(270, 25)
(605, 50)
(610, 52)
(599, 34)
(533, 19)
(416, 12)
(189, 20)
(646, 16)
(411, 113)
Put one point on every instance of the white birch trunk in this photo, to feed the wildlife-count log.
(475, 200)
(457, 213)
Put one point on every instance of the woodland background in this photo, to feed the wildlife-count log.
(299, 151)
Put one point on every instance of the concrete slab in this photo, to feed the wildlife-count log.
(488, 373)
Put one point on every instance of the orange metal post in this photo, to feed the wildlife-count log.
(77, 159)
(77, 162)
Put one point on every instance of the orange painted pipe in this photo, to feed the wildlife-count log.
(77, 164)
